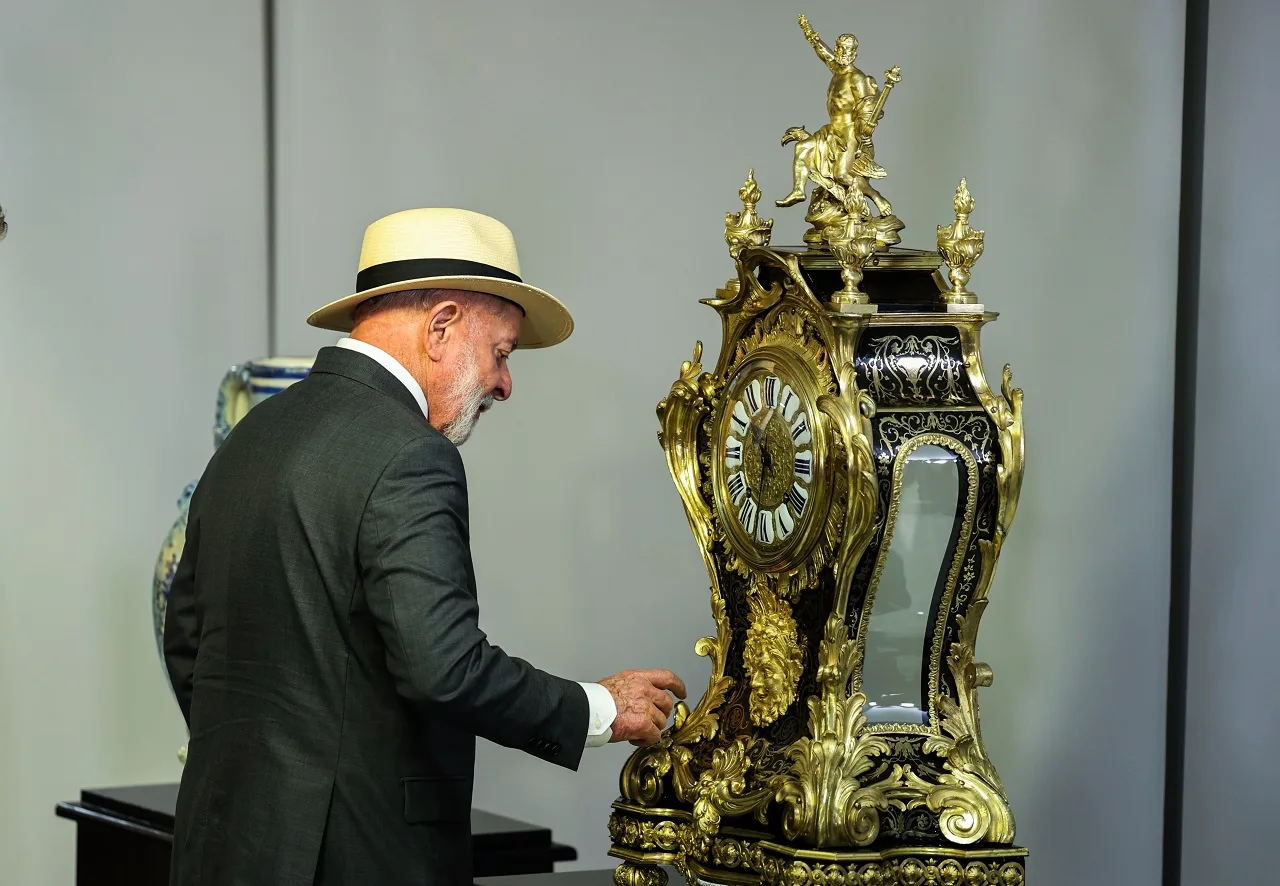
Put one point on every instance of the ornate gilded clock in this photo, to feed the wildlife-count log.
(769, 456)
(849, 476)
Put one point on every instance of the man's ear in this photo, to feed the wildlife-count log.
(443, 323)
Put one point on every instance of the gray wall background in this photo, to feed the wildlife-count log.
(131, 171)
(612, 140)
(1233, 711)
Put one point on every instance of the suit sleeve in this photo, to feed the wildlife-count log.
(181, 623)
(414, 549)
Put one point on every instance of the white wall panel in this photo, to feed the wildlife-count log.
(131, 169)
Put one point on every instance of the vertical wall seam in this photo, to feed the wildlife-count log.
(269, 102)
(1183, 430)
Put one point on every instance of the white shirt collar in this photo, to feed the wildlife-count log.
(389, 363)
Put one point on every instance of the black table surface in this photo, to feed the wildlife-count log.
(150, 808)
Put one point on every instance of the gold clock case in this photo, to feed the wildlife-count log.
(838, 740)
(811, 790)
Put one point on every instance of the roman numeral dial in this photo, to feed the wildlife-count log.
(768, 459)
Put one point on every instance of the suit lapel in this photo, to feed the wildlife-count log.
(365, 370)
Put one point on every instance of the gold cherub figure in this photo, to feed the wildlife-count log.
(840, 156)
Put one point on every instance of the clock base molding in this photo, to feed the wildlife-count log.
(644, 842)
(850, 475)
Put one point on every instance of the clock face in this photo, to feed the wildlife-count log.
(767, 460)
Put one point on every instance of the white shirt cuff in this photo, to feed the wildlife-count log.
(603, 712)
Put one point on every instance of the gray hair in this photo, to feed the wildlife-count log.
(426, 299)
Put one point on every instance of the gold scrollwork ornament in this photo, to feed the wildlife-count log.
(681, 414)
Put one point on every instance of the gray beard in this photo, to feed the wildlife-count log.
(473, 400)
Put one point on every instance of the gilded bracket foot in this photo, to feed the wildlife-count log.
(631, 873)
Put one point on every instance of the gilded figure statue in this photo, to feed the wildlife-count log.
(839, 157)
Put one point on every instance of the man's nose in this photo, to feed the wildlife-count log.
(503, 390)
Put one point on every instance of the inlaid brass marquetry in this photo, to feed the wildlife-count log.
(845, 364)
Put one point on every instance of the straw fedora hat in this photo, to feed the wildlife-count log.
(447, 249)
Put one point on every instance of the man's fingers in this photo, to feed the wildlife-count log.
(663, 701)
(657, 718)
(647, 734)
(666, 680)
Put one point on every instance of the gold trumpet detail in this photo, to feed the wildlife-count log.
(961, 247)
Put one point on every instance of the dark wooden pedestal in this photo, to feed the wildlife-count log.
(124, 836)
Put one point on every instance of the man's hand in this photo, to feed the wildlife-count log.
(644, 703)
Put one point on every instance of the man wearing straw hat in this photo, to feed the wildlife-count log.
(322, 635)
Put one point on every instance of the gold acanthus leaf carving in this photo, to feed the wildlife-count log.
(692, 398)
(852, 416)
(1008, 419)
(794, 329)
(680, 414)
(720, 791)
(1005, 411)
(702, 722)
(826, 803)
(970, 799)
(642, 775)
(747, 300)
(773, 655)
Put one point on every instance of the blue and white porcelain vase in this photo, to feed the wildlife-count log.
(243, 387)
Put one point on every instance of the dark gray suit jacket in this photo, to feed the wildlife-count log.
(322, 641)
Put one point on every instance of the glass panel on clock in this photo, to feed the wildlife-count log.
(914, 574)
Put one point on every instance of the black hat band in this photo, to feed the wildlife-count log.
(391, 272)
